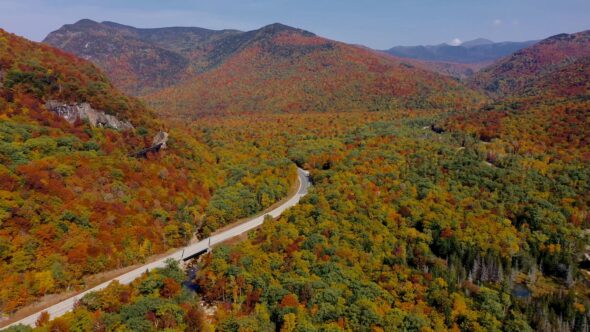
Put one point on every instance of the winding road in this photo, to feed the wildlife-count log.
(61, 308)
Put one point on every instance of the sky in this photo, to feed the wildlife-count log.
(379, 24)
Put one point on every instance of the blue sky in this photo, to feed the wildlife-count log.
(375, 23)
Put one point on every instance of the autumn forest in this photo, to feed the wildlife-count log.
(439, 203)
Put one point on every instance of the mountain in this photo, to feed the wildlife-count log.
(274, 68)
(178, 39)
(278, 69)
(137, 60)
(546, 67)
(46, 73)
(407, 227)
(477, 42)
(73, 202)
(541, 99)
(475, 51)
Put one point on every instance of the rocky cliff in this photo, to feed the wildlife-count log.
(158, 143)
(84, 112)
(160, 139)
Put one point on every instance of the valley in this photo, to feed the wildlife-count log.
(448, 193)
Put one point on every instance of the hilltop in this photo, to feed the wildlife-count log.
(276, 68)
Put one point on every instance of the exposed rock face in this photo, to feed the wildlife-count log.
(160, 139)
(85, 112)
(158, 143)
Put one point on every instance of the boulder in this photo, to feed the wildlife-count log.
(160, 139)
(158, 143)
(84, 112)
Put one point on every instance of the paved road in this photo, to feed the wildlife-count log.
(193, 249)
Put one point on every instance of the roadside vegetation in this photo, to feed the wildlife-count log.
(73, 203)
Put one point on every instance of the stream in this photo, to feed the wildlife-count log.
(191, 272)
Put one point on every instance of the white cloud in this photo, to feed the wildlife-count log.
(456, 42)
(497, 22)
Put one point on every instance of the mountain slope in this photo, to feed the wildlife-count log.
(475, 51)
(453, 69)
(275, 68)
(48, 73)
(282, 69)
(542, 98)
(133, 64)
(72, 202)
(76, 197)
(177, 39)
(535, 69)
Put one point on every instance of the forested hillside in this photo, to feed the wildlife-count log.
(285, 70)
(529, 71)
(74, 203)
(155, 301)
(432, 208)
(138, 60)
(541, 100)
(273, 69)
(405, 229)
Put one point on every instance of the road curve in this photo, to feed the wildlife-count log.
(61, 308)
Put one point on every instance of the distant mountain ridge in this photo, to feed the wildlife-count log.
(476, 42)
(274, 68)
(474, 51)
